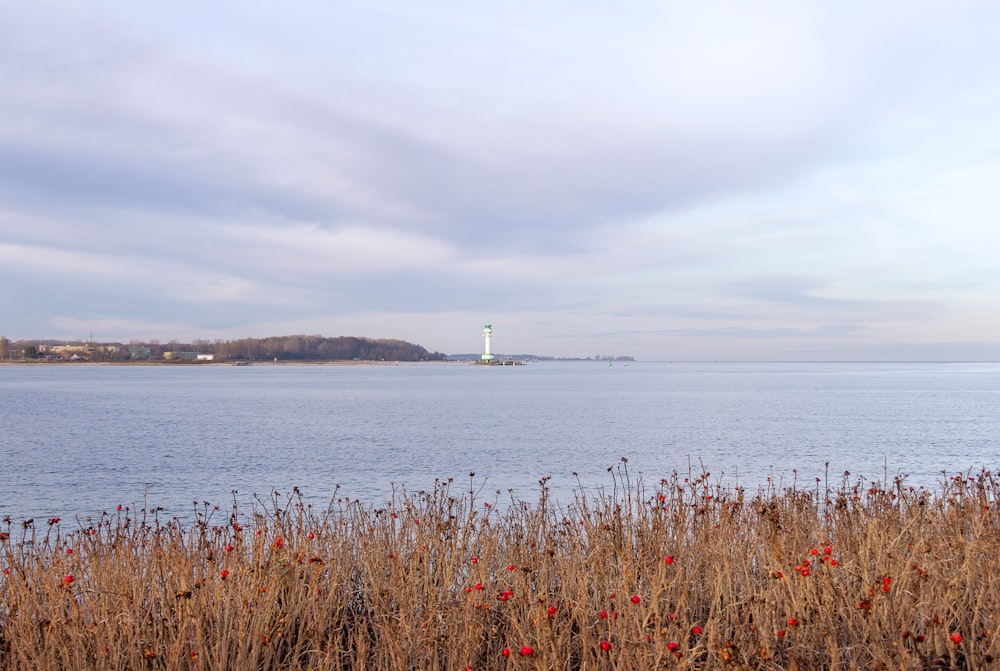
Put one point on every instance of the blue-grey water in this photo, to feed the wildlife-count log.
(75, 440)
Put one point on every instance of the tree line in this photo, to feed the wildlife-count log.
(319, 348)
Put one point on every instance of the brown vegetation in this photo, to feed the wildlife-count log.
(677, 575)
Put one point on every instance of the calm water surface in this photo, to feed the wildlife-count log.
(81, 439)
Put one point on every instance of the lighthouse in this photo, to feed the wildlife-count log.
(487, 334)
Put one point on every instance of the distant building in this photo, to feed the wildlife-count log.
(188, 356)
(139, 352)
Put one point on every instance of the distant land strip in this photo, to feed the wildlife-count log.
(313, 348)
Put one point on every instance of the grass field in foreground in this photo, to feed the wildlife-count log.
(680, 574)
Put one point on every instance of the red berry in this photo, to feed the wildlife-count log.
(956, 637)
(552, 611)
(669, 559)
(604, 615)
(68, 579)
(505, 652)
(526, 650)
(69, 551)
(827, 550)
(605, 646)
(696, 630)
(792, 622)
(672, 646)
(635, 598)
(224, 573)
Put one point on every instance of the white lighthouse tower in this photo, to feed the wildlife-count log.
(487, 334)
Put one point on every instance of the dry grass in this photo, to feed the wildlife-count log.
(682, 574)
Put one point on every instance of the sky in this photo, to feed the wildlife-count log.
(775, 180)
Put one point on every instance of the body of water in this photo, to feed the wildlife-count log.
(75, 440)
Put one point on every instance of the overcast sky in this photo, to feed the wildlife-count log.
(668, 180)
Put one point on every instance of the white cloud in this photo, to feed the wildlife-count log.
(342, 252)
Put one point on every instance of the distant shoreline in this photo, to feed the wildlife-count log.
(212, 363)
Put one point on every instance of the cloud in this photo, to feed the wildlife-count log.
(349, 251)
(590, 144)
(806, 296)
